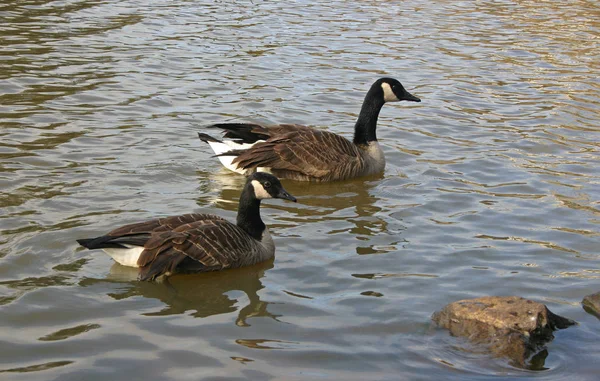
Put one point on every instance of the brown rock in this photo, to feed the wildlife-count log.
(591, 304)
(510, 326)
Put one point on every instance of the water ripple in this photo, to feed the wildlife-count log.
(491, 184)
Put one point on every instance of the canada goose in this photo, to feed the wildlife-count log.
(302, 153)
(197, 242)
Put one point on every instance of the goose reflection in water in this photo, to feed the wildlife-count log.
(323, 210)
(206, 294)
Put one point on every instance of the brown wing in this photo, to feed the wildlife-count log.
(162, 224)
(211, 244)
(303, 150)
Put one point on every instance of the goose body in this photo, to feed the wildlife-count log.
(196, 242)
(302, 153)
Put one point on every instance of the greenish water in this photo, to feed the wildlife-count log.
(491, 188)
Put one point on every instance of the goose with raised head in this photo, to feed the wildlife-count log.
(299, 152)
(197, 242)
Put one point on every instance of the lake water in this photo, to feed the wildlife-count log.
(491, 188)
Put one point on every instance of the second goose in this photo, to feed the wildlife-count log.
(302, 153)
(197, 242)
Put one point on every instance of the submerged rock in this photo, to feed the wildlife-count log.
(510, 326)
(591, 304)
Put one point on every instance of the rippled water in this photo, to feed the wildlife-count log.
(492, 185)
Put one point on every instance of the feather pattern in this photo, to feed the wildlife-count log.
(215, 244)
(299, 154)
(161, 224)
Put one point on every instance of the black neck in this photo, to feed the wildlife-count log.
(248, 217)
(364, 130)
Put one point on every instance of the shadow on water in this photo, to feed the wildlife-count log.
(206, 294)
(352, 200)
(323, 210)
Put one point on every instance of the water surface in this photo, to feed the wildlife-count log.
(491, 188)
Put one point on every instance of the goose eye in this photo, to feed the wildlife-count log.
(267, 184)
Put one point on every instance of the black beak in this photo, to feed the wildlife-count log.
(409, 97)
(285, 195)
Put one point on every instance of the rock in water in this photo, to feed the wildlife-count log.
(591, 304)
(510, 326)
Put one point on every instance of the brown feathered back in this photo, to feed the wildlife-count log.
(213, 244)
(303, 153)
(161, 224)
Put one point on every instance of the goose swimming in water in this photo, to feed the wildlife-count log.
(299, 152)
(197, 242)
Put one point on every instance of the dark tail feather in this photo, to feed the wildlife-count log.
(99, 243)
(110, 242)
(86, 242)
(207, 138)
(243, 132)
(235, 126)
(233, 152)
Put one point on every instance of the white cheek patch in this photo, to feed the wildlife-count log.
(388, 93)
(259, 190)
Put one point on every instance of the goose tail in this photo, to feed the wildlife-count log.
(112, 242)
(225, 150)
(102, 242)
(87, 243)
(207, 138)
(243, 133)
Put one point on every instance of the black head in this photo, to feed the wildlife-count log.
(266, 185)
(393, 91)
